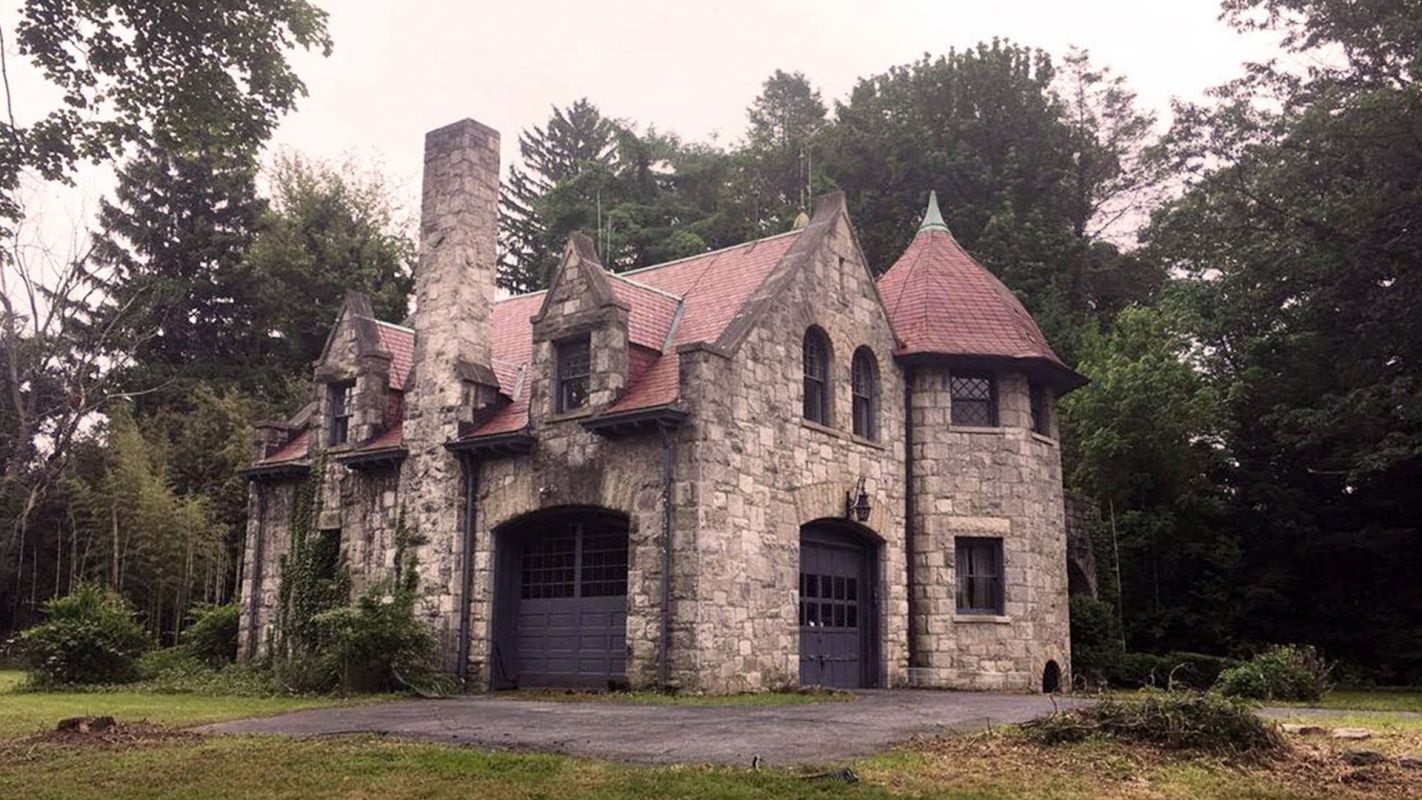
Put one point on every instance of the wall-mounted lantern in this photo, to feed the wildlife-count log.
(856, 503)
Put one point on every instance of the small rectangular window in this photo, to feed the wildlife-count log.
(1041, 410)
(341, 399)
(574, 371)
(978, 564)
(973, 399)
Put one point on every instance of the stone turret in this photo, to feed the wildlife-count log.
(453, 321)
(989, 597)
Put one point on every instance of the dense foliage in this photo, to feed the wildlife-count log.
(212, 636)
(88, 636)
(1284, 672)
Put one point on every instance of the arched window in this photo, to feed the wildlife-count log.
(817, 372)
(864, 379)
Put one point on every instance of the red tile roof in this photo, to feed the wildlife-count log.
(943, 302)
(400, 343)
(294, 450)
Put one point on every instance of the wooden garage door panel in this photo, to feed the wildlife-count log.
(571, 627)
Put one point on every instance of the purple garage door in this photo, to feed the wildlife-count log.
(835, 602)
(570, 624)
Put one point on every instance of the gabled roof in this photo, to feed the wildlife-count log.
(943, 302)
(687, 301)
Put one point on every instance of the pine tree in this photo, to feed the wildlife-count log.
(575, 140)
(169, 262)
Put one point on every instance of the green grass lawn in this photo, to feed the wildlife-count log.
(26, 712)
(1365, 700)
(1002, 764)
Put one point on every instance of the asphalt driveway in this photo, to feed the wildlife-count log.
(812, 733)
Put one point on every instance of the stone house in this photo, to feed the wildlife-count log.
(748, 469)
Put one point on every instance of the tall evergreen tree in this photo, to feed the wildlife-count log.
(169, 262)
(574, 140)
(778, 156)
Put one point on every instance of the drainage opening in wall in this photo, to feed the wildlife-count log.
(1051, 678)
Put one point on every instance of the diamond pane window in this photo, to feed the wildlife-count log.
(974, 399)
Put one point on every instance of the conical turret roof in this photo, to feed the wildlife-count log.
(943, 302)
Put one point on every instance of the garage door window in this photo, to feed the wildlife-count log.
(548, 567)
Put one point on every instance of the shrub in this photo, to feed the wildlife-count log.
(90, 636)
(1283, 672)
(1095, 639)
(1176, 720)
(1172, 670)
(212, 636)
(377, 644)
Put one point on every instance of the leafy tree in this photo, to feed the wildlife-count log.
(1298, 232)
(1024, 174)
(1144, 440)
(328, 230)
(135, 73)
(785, 121)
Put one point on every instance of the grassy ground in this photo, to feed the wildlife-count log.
(1366, 700)
(999, 765)
(664, 699)
(1002, 764)
(27, 712)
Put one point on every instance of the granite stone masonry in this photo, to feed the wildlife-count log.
(753, 468)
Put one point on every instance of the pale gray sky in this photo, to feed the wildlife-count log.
(399, 69)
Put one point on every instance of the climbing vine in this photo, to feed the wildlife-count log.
(314, 576)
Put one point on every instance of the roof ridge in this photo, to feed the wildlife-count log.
(641, 285)
(748, 243)
(394, 325)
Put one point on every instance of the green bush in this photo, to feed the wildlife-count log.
(212, 636)
(377, 644)
(1283, 672)
(1095, 639)
(1172, 670)
(1201, 722)
(90, 637)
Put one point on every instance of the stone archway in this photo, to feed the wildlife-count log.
(560, 599)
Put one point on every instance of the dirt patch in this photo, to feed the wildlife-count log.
(1105, 769)
(102, 732)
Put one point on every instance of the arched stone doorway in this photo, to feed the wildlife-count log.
(838, 605)
(1051, 678)
(560, 599)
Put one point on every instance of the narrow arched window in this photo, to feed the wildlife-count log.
(864, 380)
(817, 371)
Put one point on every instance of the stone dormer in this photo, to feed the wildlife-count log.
(580, 339)
(351, 391)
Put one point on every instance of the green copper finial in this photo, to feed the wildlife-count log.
(933, 218)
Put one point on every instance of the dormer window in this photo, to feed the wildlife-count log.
(342, 397)
(574, 373)
(974, 399)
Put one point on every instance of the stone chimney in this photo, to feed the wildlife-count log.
(453, 321)
(454, 278)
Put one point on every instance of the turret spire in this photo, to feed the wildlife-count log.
(933, 218)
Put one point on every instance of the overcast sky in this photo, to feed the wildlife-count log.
(401, 68)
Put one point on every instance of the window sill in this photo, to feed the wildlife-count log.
(581, 413)
(977, 429)
(825, 429)
(874, 443)
(1044, 439)
(982, 619)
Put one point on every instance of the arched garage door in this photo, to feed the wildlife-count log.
(564, 609)
(837, 612)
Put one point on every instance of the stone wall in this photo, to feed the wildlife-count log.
(269, 506)
(991, 482)
(760, 471)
